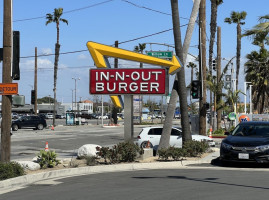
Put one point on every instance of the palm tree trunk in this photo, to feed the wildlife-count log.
(213, 26)
(165, 138)
(57, 50)
(238, 53)
(202, 121)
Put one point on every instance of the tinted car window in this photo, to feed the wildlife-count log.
(176, 132)
(155, 131)
(252, 130)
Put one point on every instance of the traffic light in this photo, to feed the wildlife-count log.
(195, 89)
(16, 56)
(214, 64)
(32, 96)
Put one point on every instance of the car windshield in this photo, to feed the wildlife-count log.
(259, 130)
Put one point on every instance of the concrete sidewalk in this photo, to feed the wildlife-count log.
(19, 182)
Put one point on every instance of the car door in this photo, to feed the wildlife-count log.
(25, 122)
(155, 136)
(176, 138)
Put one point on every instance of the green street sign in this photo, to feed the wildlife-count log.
(161, 54)
(232, 116)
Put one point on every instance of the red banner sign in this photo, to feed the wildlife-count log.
(128, 81)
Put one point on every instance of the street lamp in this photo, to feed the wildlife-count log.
(76, 79)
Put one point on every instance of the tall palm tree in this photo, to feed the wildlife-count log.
(237, 18)
(140, 49)
(213, 27)
(257, 73)
(55, 17)
(260, 32)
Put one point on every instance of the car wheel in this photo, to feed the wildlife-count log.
(15, 127)
(145, 144)
(40, 126)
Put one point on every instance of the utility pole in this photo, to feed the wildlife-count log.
(6, 78)
(202, 103)
(35, 82)
(114, 116)
(218, 96)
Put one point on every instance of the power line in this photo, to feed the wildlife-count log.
(70, 11)
(78, 51)
(157, 11)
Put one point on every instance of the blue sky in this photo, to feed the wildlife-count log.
(105, 22)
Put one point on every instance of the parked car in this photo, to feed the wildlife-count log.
(59, 116)
(34, 122)
(49, 116)
(153, 135)
(42, 115)
(87, 116)
(104, 117)
(249, 142)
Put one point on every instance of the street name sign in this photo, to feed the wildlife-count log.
(161, 54)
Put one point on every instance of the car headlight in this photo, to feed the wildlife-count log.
(262, 148)
(226, 146)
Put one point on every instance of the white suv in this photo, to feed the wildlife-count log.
(153, 135)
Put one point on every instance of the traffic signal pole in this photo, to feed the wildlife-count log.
(6, 78)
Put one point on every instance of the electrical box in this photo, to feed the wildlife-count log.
(18, 100)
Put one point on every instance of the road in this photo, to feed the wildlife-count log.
(65, 140)
(204, 182)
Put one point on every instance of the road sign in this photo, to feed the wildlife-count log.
(161, 54)
(8, 88)
(99, 52)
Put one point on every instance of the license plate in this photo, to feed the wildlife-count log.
(243, 156)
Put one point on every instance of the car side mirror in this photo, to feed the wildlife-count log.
(226, 133)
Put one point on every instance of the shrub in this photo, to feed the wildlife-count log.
(10, 170)
(47, 159)
(219, 132)
(91, 160)
(172, 152)
(194, 148)
(123, 152)
(190, 149)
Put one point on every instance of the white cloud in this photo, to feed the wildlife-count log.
(46, 51)
(82, 57)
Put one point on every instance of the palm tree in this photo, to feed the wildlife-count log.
(257, 73)
(179, 87)
(56, 18)
(213, 27)
(237, 18)
(260, 32)
(216, 88)
(140, 49)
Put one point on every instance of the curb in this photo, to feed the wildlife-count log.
(32, 178)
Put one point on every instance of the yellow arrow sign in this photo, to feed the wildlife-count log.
(98, 51)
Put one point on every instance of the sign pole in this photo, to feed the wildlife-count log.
(128, 118)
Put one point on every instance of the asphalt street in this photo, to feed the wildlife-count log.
(196, 182)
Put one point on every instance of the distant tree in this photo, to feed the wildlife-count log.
(237, 18)
(45, 100)
(56, 18)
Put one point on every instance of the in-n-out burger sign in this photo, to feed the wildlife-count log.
(128, 81)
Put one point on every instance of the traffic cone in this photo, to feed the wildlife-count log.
(210, 132)
(52, 128)
(47, 146)
(148, 144)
